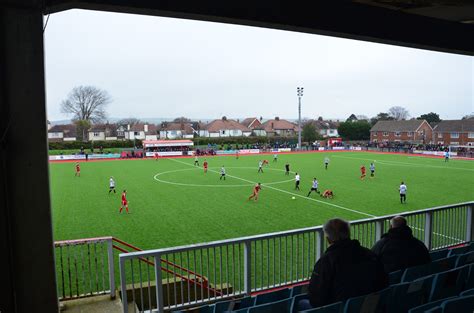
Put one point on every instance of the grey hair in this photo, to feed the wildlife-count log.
(337, 229)
(398, 221)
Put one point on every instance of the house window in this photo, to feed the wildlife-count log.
(454, 143)
(470, 135)
(397, 134)
(96, 134)
(440, 135)
(120, 133)
(385, 134)
(409, 134)
(136, 133)
(223, 132)
(454, 135)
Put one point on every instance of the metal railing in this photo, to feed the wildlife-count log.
(84, 268)
(246, 265)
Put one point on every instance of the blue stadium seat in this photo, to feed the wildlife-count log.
(232, 305)
(282, 306)
(460, 250)
(434, 267)
(459, 304)
(425, 307)
(300, 289)
(395, 277)
(466, 258)
(468, 292)
(449, 283)
(331, 308)
(273, 296)
(439, 254)
(296, 299)
(374, 302)
(470, 278)
(405, 296)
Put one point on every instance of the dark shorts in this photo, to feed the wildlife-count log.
(112, 187)
(403, 196)
(297, 183)
(314, 189)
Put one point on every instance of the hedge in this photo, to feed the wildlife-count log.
(70, 145)
(198, 141)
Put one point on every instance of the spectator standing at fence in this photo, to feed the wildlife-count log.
(403, 192)
(345, 270)
(398, 249)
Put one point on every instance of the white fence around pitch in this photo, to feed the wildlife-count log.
(246, 265)
(84, 268)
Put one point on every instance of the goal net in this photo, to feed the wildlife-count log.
(459, 152)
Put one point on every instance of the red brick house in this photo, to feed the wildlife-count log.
(279, 127)
(412, 131)
(454, 132)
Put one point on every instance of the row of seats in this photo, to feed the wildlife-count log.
(442, 260)
(437, 285)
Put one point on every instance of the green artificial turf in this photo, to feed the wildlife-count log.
(187, 206)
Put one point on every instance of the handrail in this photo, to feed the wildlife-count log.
(281, 233)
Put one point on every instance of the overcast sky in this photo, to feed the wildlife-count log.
(163, 67)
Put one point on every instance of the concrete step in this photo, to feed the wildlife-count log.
(96, 304)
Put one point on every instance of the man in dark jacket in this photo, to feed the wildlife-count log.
(345, 270)
(398, 249)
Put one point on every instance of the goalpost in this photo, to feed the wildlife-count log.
(461, 151)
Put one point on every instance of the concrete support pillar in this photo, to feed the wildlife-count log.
(27, 267)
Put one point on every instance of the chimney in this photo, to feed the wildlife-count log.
(128, 126)
(145, 128)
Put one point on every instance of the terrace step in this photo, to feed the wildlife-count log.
(96, 304)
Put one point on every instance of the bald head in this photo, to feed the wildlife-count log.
(398, 221)
(337, 229)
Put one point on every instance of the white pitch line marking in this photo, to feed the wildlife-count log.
(287, 192)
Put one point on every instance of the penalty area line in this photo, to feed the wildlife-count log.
(287, 192)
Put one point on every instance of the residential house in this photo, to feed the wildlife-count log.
(454, 132)
(65, 132)
(255, 125)
(142, 131)
(102, 132)
(227, 128)
(121, 130)
(177, 130)
(279, 127)
(326, 128)
(411, 131)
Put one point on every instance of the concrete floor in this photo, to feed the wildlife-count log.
(97, 304)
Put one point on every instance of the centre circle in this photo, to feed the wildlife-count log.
(244, 184)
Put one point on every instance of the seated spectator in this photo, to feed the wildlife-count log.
(398, 249)
(345, 270)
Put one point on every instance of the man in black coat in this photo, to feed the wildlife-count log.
(398, 249)
(345, 270)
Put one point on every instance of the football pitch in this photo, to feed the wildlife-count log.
(172, 202)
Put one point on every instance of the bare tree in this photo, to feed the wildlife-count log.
(181, 119)
(398, 113)
(129, 121)
(86, 103)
